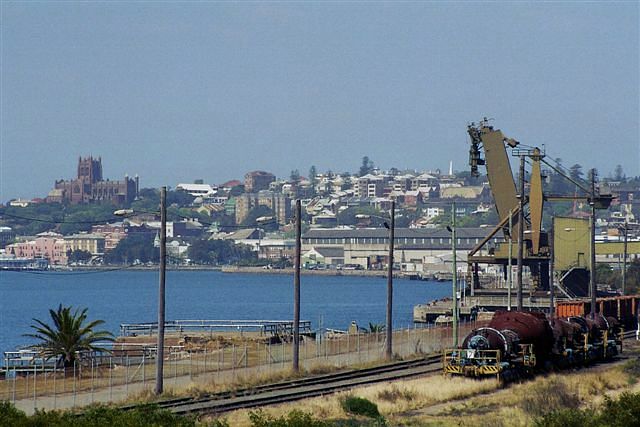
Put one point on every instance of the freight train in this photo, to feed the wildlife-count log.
(518, 343)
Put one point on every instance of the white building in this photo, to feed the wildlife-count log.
(198, 190)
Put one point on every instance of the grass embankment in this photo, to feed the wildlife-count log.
(597, 395)
(605, 395)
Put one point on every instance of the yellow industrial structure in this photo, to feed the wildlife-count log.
(520, 217)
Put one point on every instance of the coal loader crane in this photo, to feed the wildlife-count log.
(524, 213)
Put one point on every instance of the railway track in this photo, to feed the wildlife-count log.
(303, 388)
(300, 388)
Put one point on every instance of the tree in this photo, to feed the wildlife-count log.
(367, 166)
(68, 335)
(375, 328)
(236, 191)
(313, 173)
(78, 255)
(575, 172)
(218, 252)
(179, 198)
(618, 174)
(295, 175)
(136, 246)
(259, 212)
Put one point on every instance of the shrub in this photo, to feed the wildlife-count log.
(10, 416)
(94, 416)
(567, 418)
(623, 412)
(294, 418)
(359, 406)
(218, 423)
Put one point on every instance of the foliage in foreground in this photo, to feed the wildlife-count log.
(621, 412)
(294, 418)
(360, 406)
(95, 416)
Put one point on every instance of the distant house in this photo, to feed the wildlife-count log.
(325, 219)
(92, 243)
(258, 180)
(244, 234)
(412, 198)
(19, 203)
(185, 228)
(198, 190)
(112, 233)
(461, 192)
(276, 249)
(323, 256)
(227, 186)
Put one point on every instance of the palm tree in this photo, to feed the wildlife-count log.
(375, 328)
(68, 334)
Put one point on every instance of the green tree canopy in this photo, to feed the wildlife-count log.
(78, 255)
(236, 191)
(136, 246)
(366, 167)
(261, 212)
(218, 252)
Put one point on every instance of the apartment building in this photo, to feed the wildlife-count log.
(47, 245)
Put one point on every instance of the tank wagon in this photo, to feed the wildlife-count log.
(517, 343)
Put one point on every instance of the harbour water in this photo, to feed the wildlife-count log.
(131, 296)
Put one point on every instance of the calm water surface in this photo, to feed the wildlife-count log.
(131, 296)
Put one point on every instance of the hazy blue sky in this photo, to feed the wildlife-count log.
(175, 91)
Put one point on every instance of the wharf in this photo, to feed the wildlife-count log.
(472, 305)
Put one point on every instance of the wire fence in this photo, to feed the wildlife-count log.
(129, 370)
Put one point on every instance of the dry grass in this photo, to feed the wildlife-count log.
(441, 401)
(392, 399)
(519, 404)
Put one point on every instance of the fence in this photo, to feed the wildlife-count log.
(129, 371)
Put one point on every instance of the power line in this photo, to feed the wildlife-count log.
(116, 219)
(53, 221)
(75, 273)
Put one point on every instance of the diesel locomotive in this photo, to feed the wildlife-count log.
(517, 343)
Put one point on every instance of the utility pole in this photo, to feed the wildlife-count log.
(296, 290)
(455, 275)
(552, 302)
(389, 327)
(594, 283)
(624, 262)
(161, 287)
(509, 264)
(520, 234)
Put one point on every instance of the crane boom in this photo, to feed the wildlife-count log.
(503, 187)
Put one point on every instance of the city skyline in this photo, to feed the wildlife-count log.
(180, 91)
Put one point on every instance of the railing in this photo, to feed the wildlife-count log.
(273, 327)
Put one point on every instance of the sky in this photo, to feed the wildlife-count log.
(177, 91)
